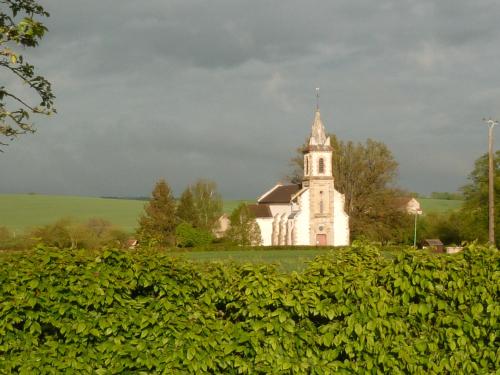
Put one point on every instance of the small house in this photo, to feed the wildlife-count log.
(433, 244)
(408, 204)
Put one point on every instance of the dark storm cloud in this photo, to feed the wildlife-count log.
(224, 89)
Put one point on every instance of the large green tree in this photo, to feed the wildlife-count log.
(157, 224)
(366, 174)
(474, 213)
(208, 204)
(19, 29)
(186, 210)
(244, 230)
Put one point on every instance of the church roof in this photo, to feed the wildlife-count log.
(280, 194)
(260, 210)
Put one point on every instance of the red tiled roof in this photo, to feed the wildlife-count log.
(282, 194)
(260, 210)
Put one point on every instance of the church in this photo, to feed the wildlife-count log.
(309, 213)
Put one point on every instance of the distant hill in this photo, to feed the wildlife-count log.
(20, 211)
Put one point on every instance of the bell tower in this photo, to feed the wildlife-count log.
(318, 177)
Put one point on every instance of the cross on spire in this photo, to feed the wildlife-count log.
(317, 98)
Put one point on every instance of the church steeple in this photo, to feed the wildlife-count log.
(318, 135)
(318, 154)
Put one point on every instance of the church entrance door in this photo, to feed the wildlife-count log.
(321, 240)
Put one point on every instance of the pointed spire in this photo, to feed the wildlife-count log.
(318, 135)
(317, 98)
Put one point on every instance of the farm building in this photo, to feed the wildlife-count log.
(434, 244)
(309, 213)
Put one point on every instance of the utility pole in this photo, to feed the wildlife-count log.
(491, 186)
(416, 212)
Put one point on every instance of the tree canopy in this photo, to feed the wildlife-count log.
(207, 203)
(19, 29)
(186, 210)
(474, 213)
(158, 222)
(244, 230)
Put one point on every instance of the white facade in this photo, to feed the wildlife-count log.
(340, 221)
(266, 230)
(413, 206)
(310, 213)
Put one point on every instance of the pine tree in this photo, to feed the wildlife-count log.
(158, 222)
(186, 210)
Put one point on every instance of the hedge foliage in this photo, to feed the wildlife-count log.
(354, 311)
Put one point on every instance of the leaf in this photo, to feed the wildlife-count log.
(190, 353)
(477, 309)
(358, 329)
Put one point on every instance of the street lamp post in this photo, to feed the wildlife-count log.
(491, 176)
(417, 212)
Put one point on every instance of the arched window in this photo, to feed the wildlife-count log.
(306, 167)
(321, 166)
(321, 209)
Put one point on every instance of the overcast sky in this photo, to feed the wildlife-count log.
(224, 89)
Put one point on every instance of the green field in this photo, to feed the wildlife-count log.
(229, 206)
(430, 205)
(21, 211)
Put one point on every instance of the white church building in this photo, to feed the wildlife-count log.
(309, 213)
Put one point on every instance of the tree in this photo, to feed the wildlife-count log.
(186, 210)
(158, 222)
(474, 212)
(19, 29)
(208, 204)
(244, 230)
(445, 226)
(188, 236)
(365, 174)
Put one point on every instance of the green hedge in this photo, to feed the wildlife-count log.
(353, 312)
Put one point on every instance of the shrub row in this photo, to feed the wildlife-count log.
(349, 312)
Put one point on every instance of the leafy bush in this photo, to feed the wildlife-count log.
(66, 233)
(353, 311)
(187, 236)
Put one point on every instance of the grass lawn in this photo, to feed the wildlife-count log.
(288, 260)
(20, 211)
